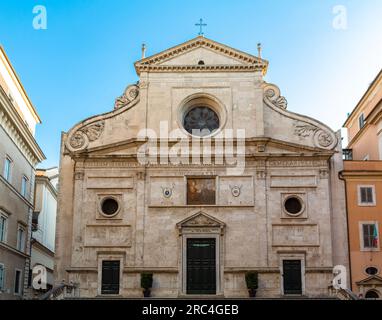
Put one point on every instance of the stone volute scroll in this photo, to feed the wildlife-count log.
(304, 127)
(91, 129)
(130, 94)
(81, 138)
(272, 96)
(321, 138)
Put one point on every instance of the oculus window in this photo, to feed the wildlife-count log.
(201, 121)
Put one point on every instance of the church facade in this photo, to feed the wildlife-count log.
(199, 175)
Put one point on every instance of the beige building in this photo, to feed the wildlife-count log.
(267, 200)
(19, 155)
(44, 226)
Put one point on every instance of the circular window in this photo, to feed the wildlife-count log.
(201, 121)
(371, 295)
(109, 206)
(371, 271)
(293, 205)
(201, 63)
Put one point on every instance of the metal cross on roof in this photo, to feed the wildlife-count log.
(201, 25)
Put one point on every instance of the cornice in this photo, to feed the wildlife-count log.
(14, 126)
(20, 86)
(38, 245)
(251, 141)
(359, 105)
(46, 182)
(200, 68)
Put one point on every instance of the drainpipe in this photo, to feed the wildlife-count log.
(340, 176)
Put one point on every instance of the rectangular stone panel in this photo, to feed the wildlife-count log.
(167, 191)
(236, 191)
(108, 236)
(110, 182)
(293, 181)
(295, 235)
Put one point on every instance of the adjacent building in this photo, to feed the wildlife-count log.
(363, 176)
(19, 155)
(266, 198)
(44, 224)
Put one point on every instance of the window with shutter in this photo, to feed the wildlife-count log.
(369, 236)
(366, 195)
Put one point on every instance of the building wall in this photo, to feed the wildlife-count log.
(360, 259)
(47, 207)
(372, 97)
(17, 208)
(43, 239)
(18, 120)
(288, 154)
(367, 146)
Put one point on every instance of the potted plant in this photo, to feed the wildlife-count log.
(252, 281)
(146, 283)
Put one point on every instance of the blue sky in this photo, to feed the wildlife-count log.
(84, 60)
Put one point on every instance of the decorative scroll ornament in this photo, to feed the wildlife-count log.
(129, 96)
(272, 94)
(305, 130)
(81, 138)
(321, 138)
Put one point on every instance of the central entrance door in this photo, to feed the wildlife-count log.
(201, 266)
(292, 276)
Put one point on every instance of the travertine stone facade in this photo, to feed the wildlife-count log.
(287, 155)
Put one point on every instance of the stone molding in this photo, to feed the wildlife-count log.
(200, 222)
(249, 62)
(14, 126)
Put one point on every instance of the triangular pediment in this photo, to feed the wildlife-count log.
(200, 219)
(372, 280)
(215, 56)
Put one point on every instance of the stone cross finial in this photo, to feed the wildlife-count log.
(201, 25)
(143, 50)
(259, 49)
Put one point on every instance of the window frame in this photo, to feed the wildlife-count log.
(5, 232)
(23, 239)
(368, 274)
(19, 293)
(361, 236)
(110, 257)
(366, 204)
(24, 185)
(361, 121)
(8, 174)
